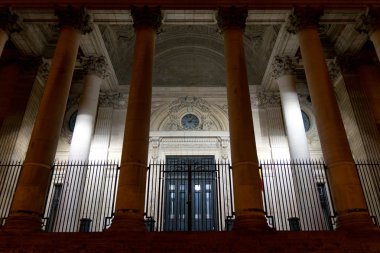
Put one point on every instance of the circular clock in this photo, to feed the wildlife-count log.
(72, 119)
(306, 121)
(190, 121)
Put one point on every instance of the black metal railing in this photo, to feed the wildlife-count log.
(190, 196)
(81, 196)
(9, 174)
(296, 195)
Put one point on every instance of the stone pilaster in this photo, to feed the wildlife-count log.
(29, 199)
(347, 192)
(8, 25)
(129, 213)
(248, 198)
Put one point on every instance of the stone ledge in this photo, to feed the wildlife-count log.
(326, 242)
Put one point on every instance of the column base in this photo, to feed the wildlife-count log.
(254, 221)
(27, 222)
(128, 221)
(355, 220)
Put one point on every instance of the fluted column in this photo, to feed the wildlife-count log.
(247, 193)
(8, 25)
(29, 199)
(369, 23)
(129, 213)
(284, 73)
(345, 184)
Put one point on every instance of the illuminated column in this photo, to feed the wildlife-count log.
(248, 200)
(129, 213)
(8, 25)
(284, 73)
(95, 69)
(29, 199)
(370, 23)
(347, 193)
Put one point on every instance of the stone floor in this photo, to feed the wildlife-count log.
(269, 242)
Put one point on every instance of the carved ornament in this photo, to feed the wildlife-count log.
(283, 66)
(95, 66)
(113, 99)
(8, 21)
(369, 22)
(74, 17)
(302, 18)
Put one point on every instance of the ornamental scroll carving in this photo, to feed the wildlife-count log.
(115, 100)
(189, 104)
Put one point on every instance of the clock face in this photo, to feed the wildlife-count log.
(190, 121)
(306, 121)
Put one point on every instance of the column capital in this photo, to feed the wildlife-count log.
(8, 21)
(334, 69)
(302, 18)
(146, 16)
(369, 21)
(76, 17)
(95, 65)
(232, 17)
(283, 65)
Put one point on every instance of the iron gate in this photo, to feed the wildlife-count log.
(189, 193)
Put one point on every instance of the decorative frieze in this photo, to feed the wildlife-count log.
(74, 17)
(95, 66)
(266, 99)
(369, 22)
(8, 21)
(283, 66)
(115, 100)
(147, 16)
(302, 18)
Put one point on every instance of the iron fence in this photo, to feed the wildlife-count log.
(9, 174)
(185, 196)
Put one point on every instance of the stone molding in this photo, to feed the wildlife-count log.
(302, 18)
(77, 18)
(369, 21)
(147, 16)
(284, 65)
(8, 21)
(115, 100)
(233, 16)
(94, 65)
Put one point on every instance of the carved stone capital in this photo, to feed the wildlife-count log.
(368, 22)
(8, 21)
(266, 99)
(334, 70)
(113, 99)
(232, 17)
(283, 66)
(74, 17)
(146, 16)
(302, 18)
(95, 66)
(44, 69)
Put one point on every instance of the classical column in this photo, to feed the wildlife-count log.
(248, 200)
(29, 199)
(347, 193)
(369, 23)
(129, 213)
(95, 69)
(284, 73)
(8, 25)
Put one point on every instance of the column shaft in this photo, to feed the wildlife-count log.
(291, 110)
(29, 199)
(375, 38)
(3, 39)
(347, 192)
(248, 199)
(131, 190)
